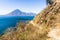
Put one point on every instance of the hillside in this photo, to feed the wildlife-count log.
(47, 21)
(45, 26)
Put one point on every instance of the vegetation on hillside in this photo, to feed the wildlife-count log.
(23, 32)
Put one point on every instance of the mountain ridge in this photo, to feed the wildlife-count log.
(17, 12)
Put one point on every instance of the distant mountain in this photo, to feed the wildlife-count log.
(17, 12)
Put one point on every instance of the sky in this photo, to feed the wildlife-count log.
(35, 6)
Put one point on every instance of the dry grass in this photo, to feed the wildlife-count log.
(25, 32)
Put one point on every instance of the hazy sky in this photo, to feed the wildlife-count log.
(34, 6)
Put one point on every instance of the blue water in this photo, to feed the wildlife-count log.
(11, 21)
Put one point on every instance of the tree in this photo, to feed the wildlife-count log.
(49, 1)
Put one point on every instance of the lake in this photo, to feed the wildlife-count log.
(11, 21)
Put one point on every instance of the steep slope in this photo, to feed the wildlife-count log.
(48, 16)
(47, 20)
(17, 12)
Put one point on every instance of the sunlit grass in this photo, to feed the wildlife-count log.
(25, 32)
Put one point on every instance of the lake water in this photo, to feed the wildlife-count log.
(10, 21)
